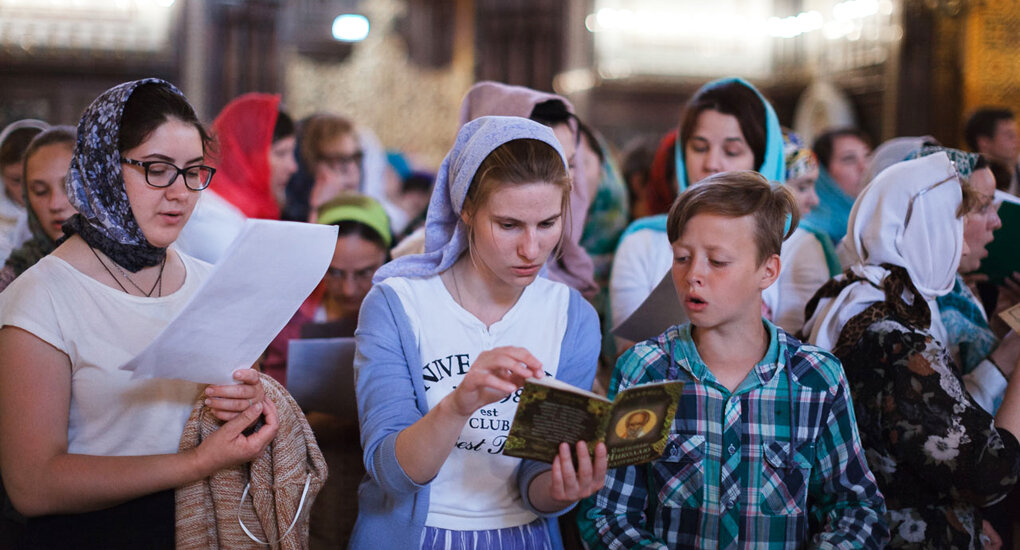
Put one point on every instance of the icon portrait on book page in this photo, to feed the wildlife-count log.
(636, 424)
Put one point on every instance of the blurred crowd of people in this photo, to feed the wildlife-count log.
(515, 258)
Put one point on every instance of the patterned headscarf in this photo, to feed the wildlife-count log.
(95, 184)
(800, 159)
(964, 161)
(445, 233)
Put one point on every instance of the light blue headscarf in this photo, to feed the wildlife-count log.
(830, 216)
(445, 233)
(773, 166)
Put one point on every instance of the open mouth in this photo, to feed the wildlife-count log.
(695, 303)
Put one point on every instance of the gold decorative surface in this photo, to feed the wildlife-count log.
(991, 65)
(410, 108)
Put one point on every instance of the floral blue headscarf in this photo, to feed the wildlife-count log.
(445, 233)
(95, 183)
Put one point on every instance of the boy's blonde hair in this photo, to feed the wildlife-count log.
(735, 195)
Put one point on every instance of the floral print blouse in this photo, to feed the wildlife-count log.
(936, 454)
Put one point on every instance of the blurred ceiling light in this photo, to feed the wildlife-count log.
(670, 23)
(854, 9)
(573, 81)
(350, 27)
(795, 25)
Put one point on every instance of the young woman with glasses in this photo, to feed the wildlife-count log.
(89, 455)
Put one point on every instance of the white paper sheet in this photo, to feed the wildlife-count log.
(660, 310)
(250, 295)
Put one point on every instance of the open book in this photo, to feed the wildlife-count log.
(1012, 317)
(634, 427)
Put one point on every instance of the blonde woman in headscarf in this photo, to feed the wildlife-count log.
(937, 455)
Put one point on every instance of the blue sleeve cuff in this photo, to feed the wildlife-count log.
(526, 473)
(391, 475)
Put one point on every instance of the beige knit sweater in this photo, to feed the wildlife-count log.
(207, 510)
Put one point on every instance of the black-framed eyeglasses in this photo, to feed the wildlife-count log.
(337, 162)
(910, 205)
(161, 174)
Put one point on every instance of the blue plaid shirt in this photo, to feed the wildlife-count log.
(729, 476)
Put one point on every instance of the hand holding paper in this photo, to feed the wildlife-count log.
(262, 279)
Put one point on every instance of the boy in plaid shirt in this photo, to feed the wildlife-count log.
(764, 450)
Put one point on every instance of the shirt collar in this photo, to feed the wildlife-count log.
(687, 357)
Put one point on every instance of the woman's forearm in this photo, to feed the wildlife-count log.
(71, 483)
(423, 447)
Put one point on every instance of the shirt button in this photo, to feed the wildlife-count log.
(729, 503)
(732, 448)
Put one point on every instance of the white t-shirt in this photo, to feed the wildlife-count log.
(213, 225)
(803, 272)
(476, 488)
(100, 328)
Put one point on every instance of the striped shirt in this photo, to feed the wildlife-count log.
(729, 476)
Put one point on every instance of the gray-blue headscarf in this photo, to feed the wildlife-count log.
(95, 183)
(445, 233)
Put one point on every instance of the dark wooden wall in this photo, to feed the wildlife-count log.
(519, 41)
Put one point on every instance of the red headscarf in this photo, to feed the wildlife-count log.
(661, 189)
(244, 130)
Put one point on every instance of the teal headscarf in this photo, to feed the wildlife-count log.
(966, 326)
(607, 215)
(773, 166)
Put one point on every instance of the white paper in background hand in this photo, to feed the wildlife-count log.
(660, 310)
(250, 295)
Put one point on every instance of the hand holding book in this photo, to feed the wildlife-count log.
(633, 428)
(566, 483)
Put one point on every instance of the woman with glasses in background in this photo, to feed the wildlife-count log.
(937, 454)
(332, 155)
(87, 453)
(362, 246)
